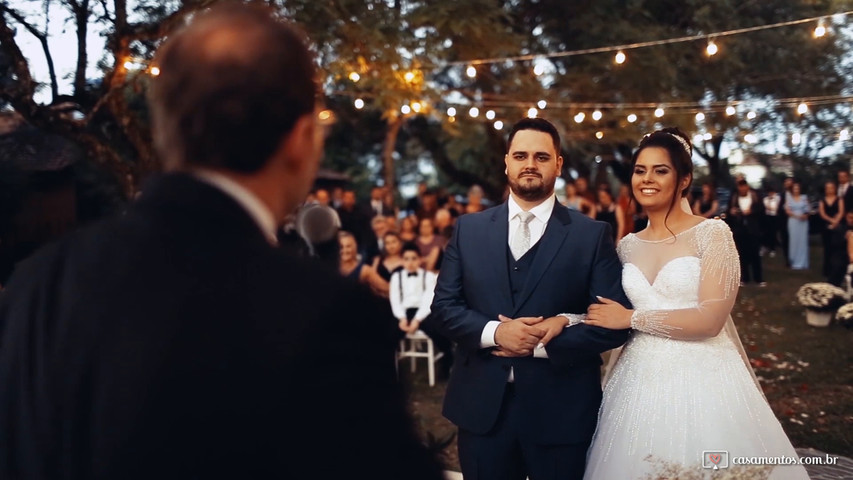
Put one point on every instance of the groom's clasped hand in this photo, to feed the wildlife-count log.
(519, 337)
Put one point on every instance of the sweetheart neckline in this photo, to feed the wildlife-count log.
(652, 283)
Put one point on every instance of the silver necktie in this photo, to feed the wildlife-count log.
(521, 240)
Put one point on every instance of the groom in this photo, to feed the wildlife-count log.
(524, 408)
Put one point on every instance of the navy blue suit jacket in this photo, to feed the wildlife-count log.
(576, 260)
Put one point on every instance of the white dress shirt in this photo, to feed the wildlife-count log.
(256, 209)
(416, 292)
(541, 213)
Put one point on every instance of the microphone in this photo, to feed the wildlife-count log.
(318, 225)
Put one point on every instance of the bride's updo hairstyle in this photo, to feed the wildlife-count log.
(680, 151)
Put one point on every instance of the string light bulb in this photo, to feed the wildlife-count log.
(596, 115)
(499, 125)
(471, 71)
(128, 65)
(659, 112)
(532, 112)
(599, 135)
(355, 77)
(632, 118)
(417, 106)
(730, 110)
(490, 115)
(751, 115)
(820, 30)
(406, 109)
(359, 104)
(750, 138)
(154, 71)
(539, 69)
(451, 112)
(802, 108)
(711, 49)
(541, 104)
(844, 135)
(579, 117)
(474, 112)
(795, 138)
(409, 76)
(700, 116)
(620, 57)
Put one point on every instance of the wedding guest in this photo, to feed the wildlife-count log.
(844, 190)
(583, 190)
(707, 205)
(842, 246)
(409, 228)
(177, 340)
(745, 212)
(607, 210)
(628, 206)
(415, 203)
(787, 187)
(411, 293)
(353, 266)
(797, 208)
(391, 259)
(429, 243)
(577, 202)
(354, 218)
(321, 196)
(389, 204)
(377, 205)
(379, 227)
(475, 200)
(831, 210)
(770, 222)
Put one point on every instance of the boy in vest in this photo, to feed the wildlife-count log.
(411, 292)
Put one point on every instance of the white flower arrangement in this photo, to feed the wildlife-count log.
(821, 296)
(844, 315)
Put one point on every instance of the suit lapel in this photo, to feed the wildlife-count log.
(549, 246)
(495, 250)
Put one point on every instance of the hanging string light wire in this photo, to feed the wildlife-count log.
(632, 46)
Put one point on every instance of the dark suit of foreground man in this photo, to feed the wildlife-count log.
(523, 409)
(178, 341)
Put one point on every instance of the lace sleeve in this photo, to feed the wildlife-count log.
(718, 286)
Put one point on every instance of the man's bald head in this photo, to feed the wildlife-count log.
(232, 85)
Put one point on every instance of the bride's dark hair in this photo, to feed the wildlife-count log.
(680, 150)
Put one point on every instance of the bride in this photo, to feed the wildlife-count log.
(682, 398)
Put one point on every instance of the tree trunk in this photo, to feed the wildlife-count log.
(717, 167)
(81, 17)
(388, 148)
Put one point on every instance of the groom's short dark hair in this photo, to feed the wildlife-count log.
(538, 124)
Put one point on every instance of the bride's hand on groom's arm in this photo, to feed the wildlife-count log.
(608, 314)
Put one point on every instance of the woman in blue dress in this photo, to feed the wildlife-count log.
(797, 207)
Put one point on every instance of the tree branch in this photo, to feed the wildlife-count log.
(42, 38)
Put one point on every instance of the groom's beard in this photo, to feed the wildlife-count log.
(531, 189)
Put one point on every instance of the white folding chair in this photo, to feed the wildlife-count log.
(419, 345)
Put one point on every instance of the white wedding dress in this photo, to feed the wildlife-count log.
(676, 391)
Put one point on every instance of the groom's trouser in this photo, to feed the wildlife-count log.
(504, 453)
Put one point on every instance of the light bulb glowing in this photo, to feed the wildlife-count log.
(409, 76)
(820, 30)
(596, 115)
(539, 69)
(632, 118)
(451, 112)
(155, 71)
(128, 65)
(706, 136)
(730, 110)
(659, 112)
(359, 103)
(490, 114)
(700, 116)
(417, 106)
(541, 104)
(844, 135)
(532, 112)
(474, 112)
(711, 49)
(354, 76)
(599, 135)
(471, 71)
(795, 138)
(620, 57)
(579, 117)
(499, 125)
(751, 115)
(802, 108)
(406, 109)
(750, 138)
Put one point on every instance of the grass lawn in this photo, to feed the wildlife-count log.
(806, 372)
